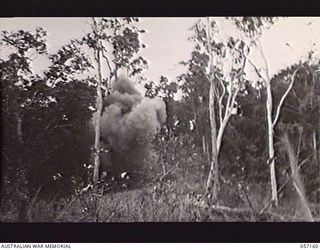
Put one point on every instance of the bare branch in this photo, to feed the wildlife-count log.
(110, 70)
(234, 96)
(256, 70)
(228, 112)
(252, 64)
(108, 62)
(228, 104)
(265, 62)
(197, 29)
(284, 97)
(304, 161)
(221, 98)
(300, 146)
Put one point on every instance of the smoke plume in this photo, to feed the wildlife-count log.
(128, 122)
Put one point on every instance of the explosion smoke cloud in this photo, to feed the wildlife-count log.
(128, 122)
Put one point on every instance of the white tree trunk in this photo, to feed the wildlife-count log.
(314, 141)
(269, 107)
(97, 122)
(271, 146)
(213, 177)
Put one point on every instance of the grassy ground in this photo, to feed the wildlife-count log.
(171, 189)
(156, 201)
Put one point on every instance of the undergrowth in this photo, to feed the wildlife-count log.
(171, 188)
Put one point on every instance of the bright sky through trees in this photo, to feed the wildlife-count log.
(288, 41)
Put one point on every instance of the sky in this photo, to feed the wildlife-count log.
(287, 42)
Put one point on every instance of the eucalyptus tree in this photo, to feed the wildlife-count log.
(115, 43)
(254, 27)
(223, 64)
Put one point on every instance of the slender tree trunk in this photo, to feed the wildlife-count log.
(204, 152)
(195, 118)
(19, 127)
(318, 131)
(269, 107)
(271, 146)
(213, 178)
(98, 118)
(314, 141)
(318, 138)
(221, 131)
(208, 150)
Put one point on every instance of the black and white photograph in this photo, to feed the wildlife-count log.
(160, 119)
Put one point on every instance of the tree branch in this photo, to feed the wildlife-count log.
(221, 98)
(108, 62)
(284, 97)
(265, 62)
(228, 104)
(256, 70)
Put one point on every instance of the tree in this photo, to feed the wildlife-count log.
(43, 115)
(17, 72)
(49, 112)
(225, 63)
(16, 78)
(253, 28)
(299, 118)
(166, 91)
(114, 41)
(297, 127)
(68, 64)
(195, 92)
